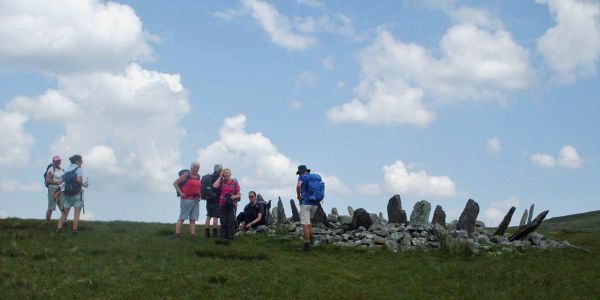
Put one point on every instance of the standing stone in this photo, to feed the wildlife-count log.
(295, 213)
(468, 217)
(420, 213)
(351, 211)
(320, 217)
(380, 215)
(505, 222)
(394, 210)
(524, 231)
(403, 217)
(274, 212)
(439, 216)
(334, 211)
(270, 219)
(530, 214)
(361, 218)
(281, 218)
(523, 219)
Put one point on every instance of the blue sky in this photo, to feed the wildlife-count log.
(436, 100)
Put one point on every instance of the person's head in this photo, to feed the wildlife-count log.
(226, 174)
(302, 169)
(56, 160)
(76, 159)
(195, 167)
(252, 196)
(218, 168)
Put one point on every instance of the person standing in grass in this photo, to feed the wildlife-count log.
(211, 195)
(72, 194)
(53, 180)
(188, 187)
(230, 195)
(310, 191)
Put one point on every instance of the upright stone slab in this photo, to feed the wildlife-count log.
(281, 217)
(505, 222)
(295, 213)
(468, 217)
(523, 219)
(380, 215)
(320, 217)
(403, 217)
(361, 218)
(350, 211)
(334, 211)
(524, 231)
(394, 210)
(420, 213)
(439, 216)
(270, 219)
(274, 212)
(530, 213)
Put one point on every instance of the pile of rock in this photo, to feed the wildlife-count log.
(362, 229)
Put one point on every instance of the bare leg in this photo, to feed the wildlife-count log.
(178, 226)
(48, 215)
(63, 217)
(207, 222)
(192, 227)
(76, 214)
(307, 232)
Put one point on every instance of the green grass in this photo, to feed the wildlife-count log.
(140, 260)
(589, 221)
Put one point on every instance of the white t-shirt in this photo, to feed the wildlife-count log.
(56, 174)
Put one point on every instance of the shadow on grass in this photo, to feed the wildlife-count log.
(231, 255)
(165, 232)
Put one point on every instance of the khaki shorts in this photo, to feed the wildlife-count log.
(52, 203)
(306, 213)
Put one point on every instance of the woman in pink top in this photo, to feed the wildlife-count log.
(188, 187)
(230, 195)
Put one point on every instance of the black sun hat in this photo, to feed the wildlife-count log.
(302, 169)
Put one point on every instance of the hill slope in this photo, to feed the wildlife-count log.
(589, 221)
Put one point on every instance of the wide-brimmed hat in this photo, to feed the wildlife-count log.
(302, 169)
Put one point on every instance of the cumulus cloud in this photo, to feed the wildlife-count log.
(256, 161)
(15, 143)
(572, 46)
(479, 61)
(494, 145)
(370, 189)
(12, 185)
(497, 210)
(568, 158)
(399, 179)
(123, 121)
(69, 36)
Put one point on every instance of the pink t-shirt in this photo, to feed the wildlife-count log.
(230, 187)
(191, 188)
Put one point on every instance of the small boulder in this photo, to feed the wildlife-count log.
(361, 218)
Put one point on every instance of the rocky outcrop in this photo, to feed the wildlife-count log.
(524, 231)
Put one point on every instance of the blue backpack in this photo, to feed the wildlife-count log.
(315, 188)
(72, 187)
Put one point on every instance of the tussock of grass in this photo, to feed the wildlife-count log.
(228, 255)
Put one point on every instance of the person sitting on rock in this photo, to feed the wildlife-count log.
(253, 214)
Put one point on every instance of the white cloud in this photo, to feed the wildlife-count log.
(51, 106)
(296, 104)
(312, 3)
(494, 214)
(328, 63)
(256, 162)
(15, 143)
(494, 145)
(404, 79)
(370, 189)
(543, 160)
(307, 79)
(88, 216)
(12, 185)
(130, 118)
(572, 46)
(278, 26)
(400, 180)
(568, 158)
(68, 36)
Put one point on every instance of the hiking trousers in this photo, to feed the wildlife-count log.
(228, 222)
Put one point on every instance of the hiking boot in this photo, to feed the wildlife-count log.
(176, 237)
(207, 233)
(193, 238)
(58, 230)
(75, 232)
(312, 240)
(305, 247)
(215, 232)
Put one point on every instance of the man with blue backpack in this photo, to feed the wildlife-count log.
(310, 191)
(72, 182)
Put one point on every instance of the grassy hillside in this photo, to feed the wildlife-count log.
(140, 260)
(589, 221)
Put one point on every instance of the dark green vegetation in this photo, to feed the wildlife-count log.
(589, 221)
(140, 260)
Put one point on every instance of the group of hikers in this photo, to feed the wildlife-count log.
(222, 194)
(65, 190)
(219, 189)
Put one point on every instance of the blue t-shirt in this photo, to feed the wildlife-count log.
(304, 190)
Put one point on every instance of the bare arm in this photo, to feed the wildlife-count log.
(80, 181)
(176, 184)
(298, 189)
(254, 221)
(217, 183)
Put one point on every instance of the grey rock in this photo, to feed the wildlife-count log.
(378, 240)
(391, 245)
(424, 234)
(483, 239)
(433, 244)
(530, 213)
(419, 242)
(351, 211)
(506, 250)
(317, 230)
(439, 216)
(396, 236)
(420, 213)
(274, 213)
(394, 210)
(320, 218)
(261, 228)
(345, 219)
(361, 218)
(479, 224)
(403, 217)
(405, 243)
(334, 211)
(381, 216)
(281, 218)
(295, 213)
(270, 219)
(361, 229)
(524, 231)
(523, 219)
(332, 218)
(383, 232)
(468, 217)
(505, 222)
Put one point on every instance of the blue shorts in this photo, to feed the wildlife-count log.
(72, 200)
(190, 209)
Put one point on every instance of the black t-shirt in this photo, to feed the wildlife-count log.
(253, 209)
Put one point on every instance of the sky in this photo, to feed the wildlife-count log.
(436, 100)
